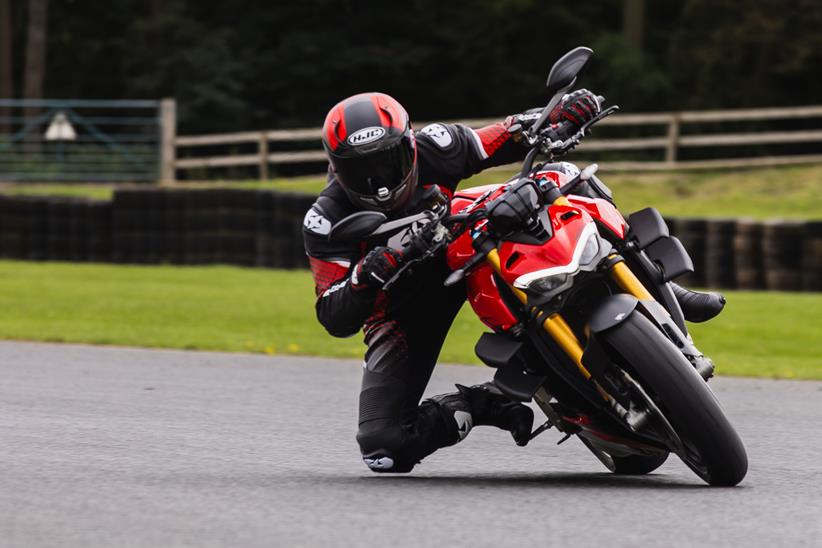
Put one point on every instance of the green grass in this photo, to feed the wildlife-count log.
(269, 311)
(788, 192)
(75, 190)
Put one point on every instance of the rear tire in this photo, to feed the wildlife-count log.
(637, 465)
(714, 450)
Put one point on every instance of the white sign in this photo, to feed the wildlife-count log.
(60, 129)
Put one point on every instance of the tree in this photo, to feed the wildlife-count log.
(633, 21)
(35, 70)
(6, 79)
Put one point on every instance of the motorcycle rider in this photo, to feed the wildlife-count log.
(377, 162)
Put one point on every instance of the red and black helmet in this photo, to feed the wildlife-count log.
(371, 147)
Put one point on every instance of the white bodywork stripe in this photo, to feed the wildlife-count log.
(586, 234)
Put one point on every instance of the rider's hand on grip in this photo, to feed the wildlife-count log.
(515, 207)
(577, 107)
(376, 268)
(518, 123)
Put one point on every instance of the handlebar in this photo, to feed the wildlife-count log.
(438, 231)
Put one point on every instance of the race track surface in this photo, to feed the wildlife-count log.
(124, 447)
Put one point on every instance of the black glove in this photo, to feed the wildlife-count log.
(577, 107)
(518, 123)
(376, 268)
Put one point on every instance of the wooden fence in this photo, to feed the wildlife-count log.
(671, 140)
(264, 228)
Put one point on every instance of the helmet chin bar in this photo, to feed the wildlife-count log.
(384, 200)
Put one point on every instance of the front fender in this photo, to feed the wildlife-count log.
(611, 311)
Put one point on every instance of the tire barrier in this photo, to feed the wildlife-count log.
(782, 255)
(747, 254)
(691, 232)
(158, 226)
(264, 229)
(720, 263)
(55, 229)
(812, 254)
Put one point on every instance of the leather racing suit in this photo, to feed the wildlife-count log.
(406, 326)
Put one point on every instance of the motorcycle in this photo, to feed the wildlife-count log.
(583, 319)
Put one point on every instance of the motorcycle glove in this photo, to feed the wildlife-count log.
(518, 123)
(577, 107)
(376, 268)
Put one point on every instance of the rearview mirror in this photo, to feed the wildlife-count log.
(356, 226)
(562, 76)
(564, 72)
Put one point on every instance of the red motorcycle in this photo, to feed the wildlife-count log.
(583, 320)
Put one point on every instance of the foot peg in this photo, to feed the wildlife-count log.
(696, 306)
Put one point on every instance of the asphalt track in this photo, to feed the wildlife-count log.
(126, 447)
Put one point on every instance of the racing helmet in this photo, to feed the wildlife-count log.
(372, 151)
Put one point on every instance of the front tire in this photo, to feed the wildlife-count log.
(713, 449)
(638, 465)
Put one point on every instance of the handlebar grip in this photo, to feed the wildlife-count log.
(417, 245)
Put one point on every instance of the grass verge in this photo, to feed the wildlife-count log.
(269, 311)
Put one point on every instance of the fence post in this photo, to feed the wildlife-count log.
(263, 147)
(168, 134)
(673, 139)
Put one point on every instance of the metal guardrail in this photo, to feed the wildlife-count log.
(83, 140)
(670, 142)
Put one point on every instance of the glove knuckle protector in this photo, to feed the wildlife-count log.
(376, 267)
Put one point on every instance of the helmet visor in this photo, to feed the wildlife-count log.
(377, 173)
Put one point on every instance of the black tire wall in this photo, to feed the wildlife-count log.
(264, 228)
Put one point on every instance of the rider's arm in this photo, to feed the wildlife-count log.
(341, 308)
(450, 153)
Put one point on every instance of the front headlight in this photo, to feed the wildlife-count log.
(587, 253)
(548, 283)
(590, 251)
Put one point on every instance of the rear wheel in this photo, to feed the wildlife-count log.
(710, 445)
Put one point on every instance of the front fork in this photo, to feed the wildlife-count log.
(556, 326)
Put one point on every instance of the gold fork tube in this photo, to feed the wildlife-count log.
(628, 282)
(555, 325)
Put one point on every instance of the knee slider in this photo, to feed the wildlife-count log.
(384, 447)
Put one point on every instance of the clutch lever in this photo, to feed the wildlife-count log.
(438, 240)
(398, 274)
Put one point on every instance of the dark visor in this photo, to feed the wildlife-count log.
(387, 169)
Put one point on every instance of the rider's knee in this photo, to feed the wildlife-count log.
(384, 447)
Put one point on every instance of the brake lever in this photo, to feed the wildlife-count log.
(398, 274)
(603, 114)
(562, 147)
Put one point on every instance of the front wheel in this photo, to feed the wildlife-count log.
(710, 445)
(637, 465)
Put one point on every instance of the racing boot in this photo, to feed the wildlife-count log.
(696, 306)
(490, 407)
